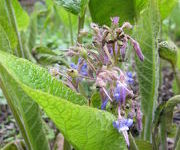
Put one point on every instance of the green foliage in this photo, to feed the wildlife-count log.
(168, 51)
(84, 127)
(102, 11)
(143, 145)
(147, 34)
(25, 111)
(16, 145)
(40, 79)
(46, 56)
(163, 116)
(9, 32)
(165, 7)
(73, 6)
(96, 100)
(4, 41)
(21, 15)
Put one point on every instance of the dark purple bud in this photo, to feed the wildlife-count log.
(137, 49)
(122, 50)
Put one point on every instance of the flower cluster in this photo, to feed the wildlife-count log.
(99, 63)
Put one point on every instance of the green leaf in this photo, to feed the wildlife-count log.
(46, 56)
(4, 41)
(15, 145)
(21, 15)
(102, 11)
(9, 32)
(74, 6)
(96, 100)
(84, 127)
(168, 51)
(166, 6)
(178, 59)
(25, 111)
(32, 31)
(38, 78)
(143, 145)
(147, 33)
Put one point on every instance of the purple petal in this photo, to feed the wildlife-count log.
(73, 66)
(116, 124)
(115, 20)
(103, 106)
(137, 49)
(123, 95)
(129, 122)
(122, 50)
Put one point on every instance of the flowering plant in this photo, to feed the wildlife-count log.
(100, 64)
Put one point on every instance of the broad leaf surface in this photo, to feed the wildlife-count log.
(24, 109)
(103, 10)
(84, 127)
(166, 6)
(4, 40)
(9, 32)
(38, 78)
(147, 32)
(21, 15)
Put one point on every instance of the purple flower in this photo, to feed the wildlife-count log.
(137, 49)
(120, 93)
(103, 106)
(83, 70)
(73, 66)
(123, 124)
(115, 20)
(129, 79)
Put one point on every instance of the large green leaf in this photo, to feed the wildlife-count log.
(147, 32)
(9, 32)
(4, 40)
(103, 10)
(25, 111)
(21, 15)
(166, 6)
(38, 78)
(84, 127)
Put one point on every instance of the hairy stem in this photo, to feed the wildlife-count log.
(70, 28)
(81, 20)
(177, 138)
(163, 134)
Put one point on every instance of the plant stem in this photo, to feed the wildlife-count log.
(20, 52)
(16, 116)
(70, 28)
(177, 138)
(147, 127)
(133, 145)
(80, 26)
(163, 134)
(177, 78)
(178, 145)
